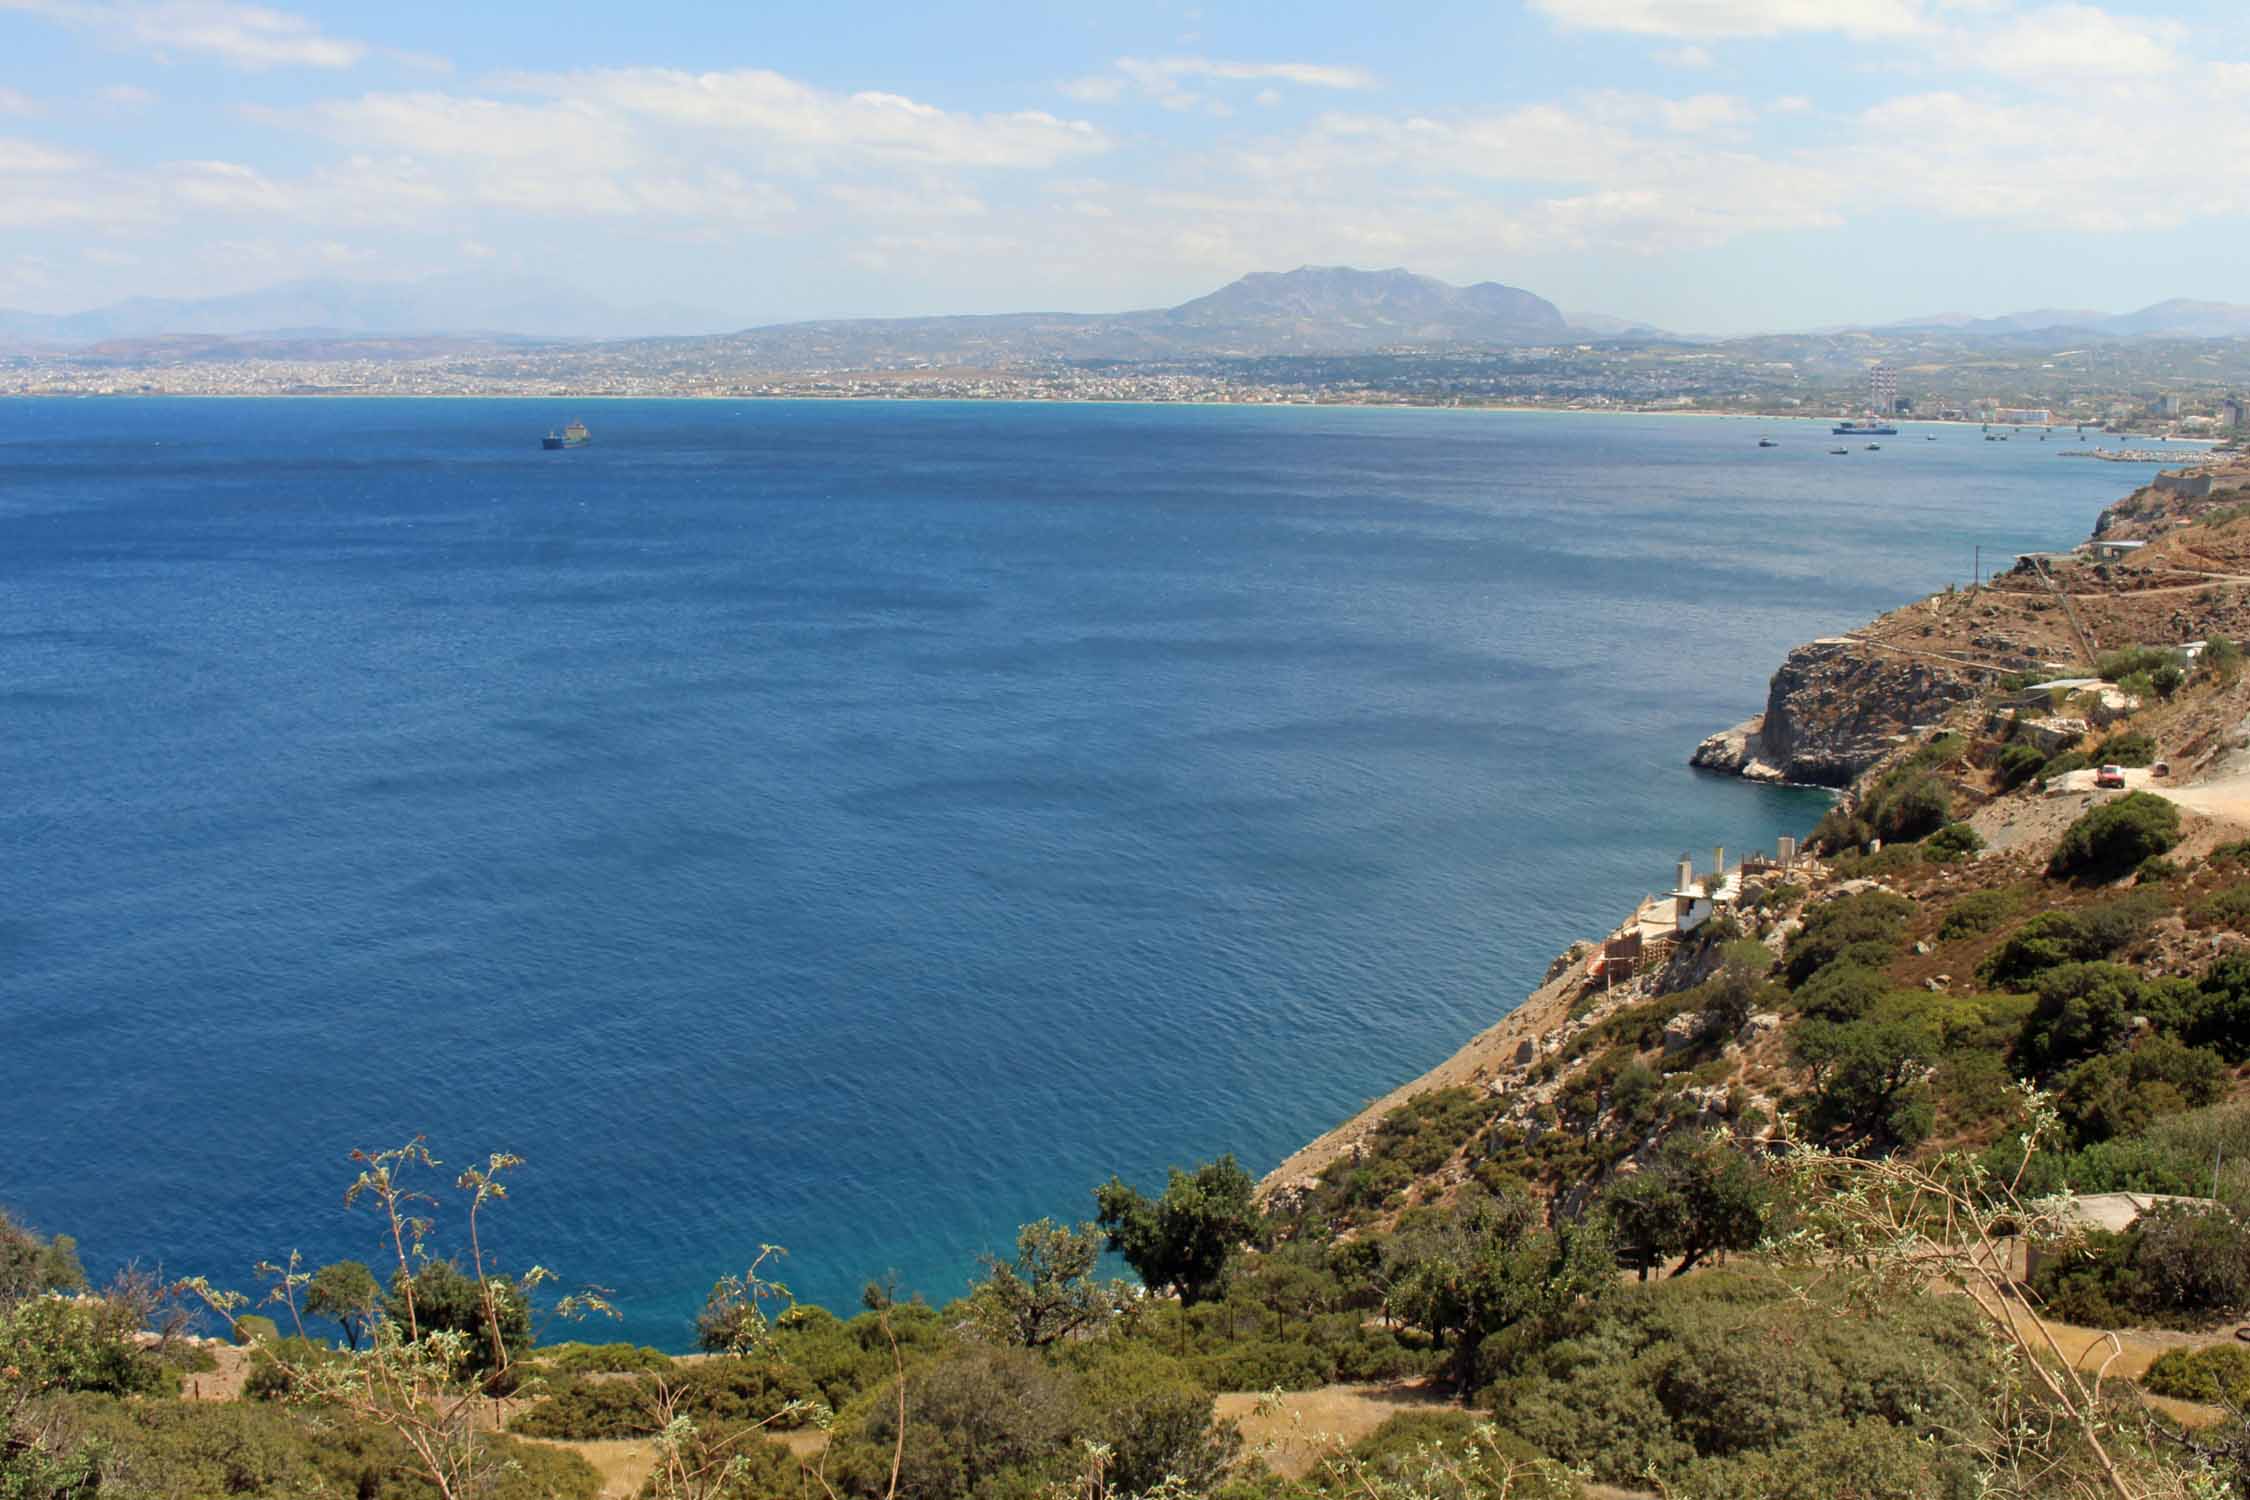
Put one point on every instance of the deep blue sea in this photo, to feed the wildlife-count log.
(860, 828)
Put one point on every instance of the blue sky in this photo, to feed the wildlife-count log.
(1709, 165)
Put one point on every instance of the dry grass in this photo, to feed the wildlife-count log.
(1296, 1432)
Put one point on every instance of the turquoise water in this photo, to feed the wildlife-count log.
(856, 827)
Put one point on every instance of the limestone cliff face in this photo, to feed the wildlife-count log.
(1835, 707)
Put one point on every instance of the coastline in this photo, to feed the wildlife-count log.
(1508, 408)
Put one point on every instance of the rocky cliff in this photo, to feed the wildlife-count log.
(1835, 707)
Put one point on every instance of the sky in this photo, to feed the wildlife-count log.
(1711, 166)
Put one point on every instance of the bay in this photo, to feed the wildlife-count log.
(857, 827)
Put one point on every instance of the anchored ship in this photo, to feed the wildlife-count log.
(1863, 429)
(573, 436)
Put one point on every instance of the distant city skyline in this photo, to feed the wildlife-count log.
(1711, 166)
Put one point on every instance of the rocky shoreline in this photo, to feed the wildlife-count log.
(1837, 706)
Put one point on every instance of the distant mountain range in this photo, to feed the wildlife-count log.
(1313, 310)
(465, 303)
(2179, 318)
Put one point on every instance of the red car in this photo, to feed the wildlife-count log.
(2110, 777)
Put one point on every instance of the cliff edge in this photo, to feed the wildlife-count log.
(1836, 707)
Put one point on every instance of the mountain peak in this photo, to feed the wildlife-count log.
(1342, 307)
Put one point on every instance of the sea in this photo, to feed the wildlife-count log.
(861, 828)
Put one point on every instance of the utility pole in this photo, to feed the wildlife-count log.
(1977, 571)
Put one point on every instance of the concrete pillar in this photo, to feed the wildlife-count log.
(1685, 877)
(1786, 851)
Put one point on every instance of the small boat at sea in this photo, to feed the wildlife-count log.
(1839, 451)
(572, 436)
(1768, 443)
(1874, 447)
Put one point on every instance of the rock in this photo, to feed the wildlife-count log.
(1923, 950)
(1682, 1031)
(1833, 710)
(1527, 1052)
(1762, 1023)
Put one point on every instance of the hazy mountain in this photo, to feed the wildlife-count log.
(1335, 308)
(1312, 310)
(2177, 318)
(2181, 318)
(455, 304)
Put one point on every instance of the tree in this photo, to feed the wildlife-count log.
(346, 1293)
(1187, 1238)
(1870, 1076)
(1696, 1195)
(31, 1264)
(1047, 1292)
(492, 1314)
(1488, 1266)
(1738, 991)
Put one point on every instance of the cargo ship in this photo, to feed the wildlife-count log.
(573, 436)
(1863, 429)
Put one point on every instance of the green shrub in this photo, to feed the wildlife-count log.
(251, 1328)
(1978, 912)
(2122, 1093)
(2127, 748)
(2018, 763)
(2090, 932)
(582, 1359)
(2117, 666)
(1953, 842)
(2109, 840)
(2228, 907)
(2218, 1375)
(1834, 928)
(2180, 1268)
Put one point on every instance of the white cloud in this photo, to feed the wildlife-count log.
(1158, 73)
(1790, 104)
(1704, 112)
(1095, 88)
(448, 126)
(1725, 18)
(242, 36)
(1689, 56)
(2078, 41)
(781, 112)
(14, 103)
(29, 156)
(126, 96)
(923, 200)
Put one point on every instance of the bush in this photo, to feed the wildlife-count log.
(2120, 1094)
(1978, 912)
(1953, 842)
(252, 1329)
(1726, 1367)
(2228, 907)
(2090, 932)
(1836, 928)
(2217, 1376)
(2127, 748)
(2109, 840)
(2181, 1268)
(2116, 666)
(1842, 992)
(611, 1359)
(2018, 764)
